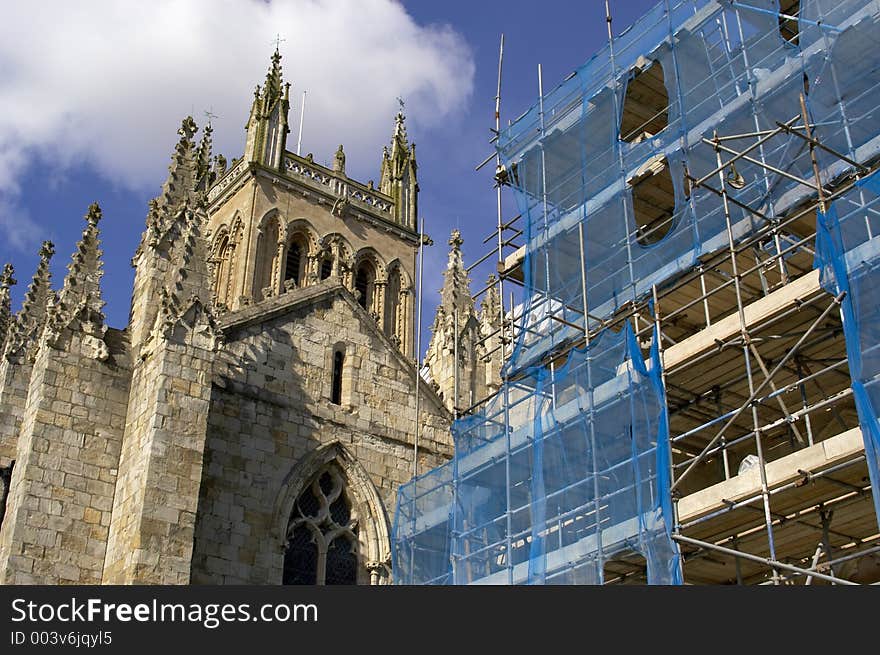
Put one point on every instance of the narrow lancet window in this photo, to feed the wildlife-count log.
(336, 383)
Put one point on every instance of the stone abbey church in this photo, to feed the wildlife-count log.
(252, 422)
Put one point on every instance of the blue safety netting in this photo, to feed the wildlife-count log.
(848, 257)
(422, 531)
(567, 466)
(582, 476)
(727, 71)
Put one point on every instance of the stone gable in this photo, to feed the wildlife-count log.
(271, 407)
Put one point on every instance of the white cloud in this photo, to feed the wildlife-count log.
(108, 82)
(20, 231)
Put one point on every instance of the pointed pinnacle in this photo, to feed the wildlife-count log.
(84, 271)
(400, 126)
(46, 252)
(7, 278)
(203, 155)
(455, 239)
(94, 215)
(187, 128)
(37, 298)
(273, 77)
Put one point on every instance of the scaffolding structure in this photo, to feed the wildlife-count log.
(693, 384)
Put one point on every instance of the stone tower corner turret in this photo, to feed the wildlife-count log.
(398, 177)
(267, 125)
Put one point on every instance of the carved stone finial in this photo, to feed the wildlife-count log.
(93, 216)
(80, 305)
(205, 174)
(187, 128)
(7, 278)
(30, 320)
(455, 239)
(46, 251)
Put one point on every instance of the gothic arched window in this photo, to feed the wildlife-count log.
(222, 269)
(364, 280)
(336, 377)
(326, 268)
(392, 304)
(296, 261)
(322, 535)
(267, 251)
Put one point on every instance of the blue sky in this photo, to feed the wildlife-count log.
(93, 96)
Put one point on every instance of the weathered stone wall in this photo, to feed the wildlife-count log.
(15, 377)
(271, 408)
(151, 531)
(61, 492)
(151, 270)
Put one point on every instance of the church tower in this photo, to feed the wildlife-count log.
(253, 421)
(279, 221)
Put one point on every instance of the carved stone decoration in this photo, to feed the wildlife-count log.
(96, 348)
(339, 161)
(28, 324)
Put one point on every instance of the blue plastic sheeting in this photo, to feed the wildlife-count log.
(848, 257)
(726, 71)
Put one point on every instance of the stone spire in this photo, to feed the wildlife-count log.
(398, 174)
(490, 322)
(267, 125)
(7, 279)
(455, 317)
(82, 286)
(172, 262)
(80, 304)
(456, 290)
(191, 276)
(189, 280)
(179, 188)
(205, 175)
(274, 80)
(29, 323)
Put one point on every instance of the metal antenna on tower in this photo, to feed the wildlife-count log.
(210, 115)
(302, 113)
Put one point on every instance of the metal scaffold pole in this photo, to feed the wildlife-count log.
(418, 347)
